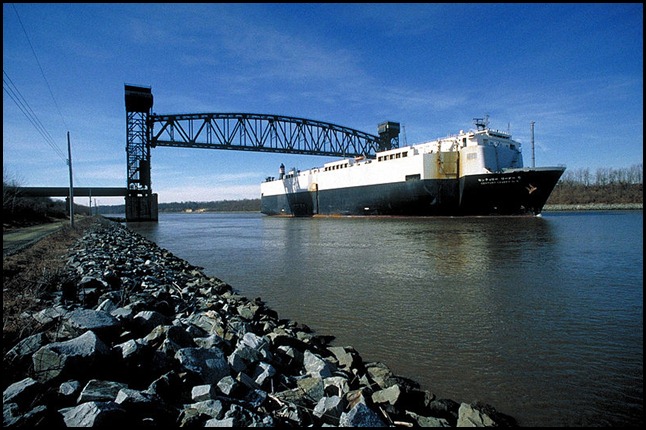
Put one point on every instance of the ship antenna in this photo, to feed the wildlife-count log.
(405, 140)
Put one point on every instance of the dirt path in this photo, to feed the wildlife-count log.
(17, 240)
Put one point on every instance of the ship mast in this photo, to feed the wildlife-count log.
(481, 123)
(533, 157)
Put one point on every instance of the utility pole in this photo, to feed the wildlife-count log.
(69, 162)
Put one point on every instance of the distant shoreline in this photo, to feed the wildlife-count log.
(594, 207)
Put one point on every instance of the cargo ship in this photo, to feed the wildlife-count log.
(475, 172)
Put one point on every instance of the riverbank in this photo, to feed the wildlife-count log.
(123, 331)
(594, 207)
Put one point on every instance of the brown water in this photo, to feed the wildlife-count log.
(540, 317)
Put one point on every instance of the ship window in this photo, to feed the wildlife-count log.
(413, 177)
(399, 155)
(405, 154)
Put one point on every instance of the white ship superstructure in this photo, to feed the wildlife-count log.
(478, 171)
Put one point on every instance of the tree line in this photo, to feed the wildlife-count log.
(604, 185)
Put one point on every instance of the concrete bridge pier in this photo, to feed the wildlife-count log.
(142, 208)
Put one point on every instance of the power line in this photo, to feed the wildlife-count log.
(39, 66)
(12, 91)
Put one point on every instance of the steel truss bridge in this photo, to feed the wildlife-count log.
(237, 131)
(261, 132)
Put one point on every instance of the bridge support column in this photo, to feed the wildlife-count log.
(142, 208)
(141, 202)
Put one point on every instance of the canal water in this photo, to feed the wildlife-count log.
(540, 317)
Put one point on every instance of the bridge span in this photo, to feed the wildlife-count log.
(268, 133)
(65, 191)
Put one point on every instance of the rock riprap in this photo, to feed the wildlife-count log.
(137, 336)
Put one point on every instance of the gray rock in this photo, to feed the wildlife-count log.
(69, 388)
(312, 388)
(329, 409)
(346, 357)
(25, 348)
(387, 395)
(482, 415)
(129, 349)
(20, 392)
(203, 392)
(10, 414)
(260, 344)
(70, 357)
(81, 320)
(100, 391)
(427, 421)
(146, 321)
(107, 305)
(130, 398)
(35, 417)
(264, 372)
(336, 386)
(361, 416)
(209, 321)
(227, 385)
(317, 366)
(49, 315)
(380, 374)
(211, 408)
(226, 422)
(210, 364)
(94, 414)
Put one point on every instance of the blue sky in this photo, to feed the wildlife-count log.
(576, 70)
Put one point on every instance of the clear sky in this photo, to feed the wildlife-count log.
(576, 70)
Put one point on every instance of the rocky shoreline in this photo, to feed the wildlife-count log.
(137, 336)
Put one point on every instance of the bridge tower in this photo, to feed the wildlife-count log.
(141, 202)
(388, 135)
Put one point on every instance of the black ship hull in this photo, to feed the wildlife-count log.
(513, 192)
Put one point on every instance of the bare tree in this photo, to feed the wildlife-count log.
(10, 195)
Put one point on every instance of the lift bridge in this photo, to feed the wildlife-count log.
(236, 131)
